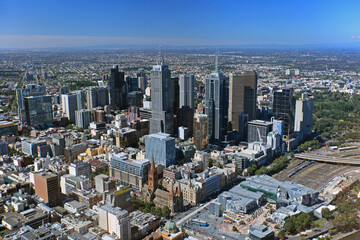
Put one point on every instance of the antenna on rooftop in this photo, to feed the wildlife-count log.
(217, 61)
(160, 56)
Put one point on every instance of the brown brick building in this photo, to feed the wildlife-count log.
(47, 188)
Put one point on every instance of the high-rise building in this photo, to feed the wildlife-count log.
(216, 104)
(47, 188)
(175, 94)
(187, 86)
(133, 83)
(80, 99)
(135, 98)
(283, 109)
(303, 114)
(242, 96)
(184, 118)
(97, 97)
(38, 110)
(162, 147)
(243, 126)
(142, 80)
(200, 131)
(162, 117)
(118, 89)
(64, 90)
(69, 104)
(83, 118)
(115, 221)
(27, 91)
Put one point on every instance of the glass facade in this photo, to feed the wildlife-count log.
(38, 110)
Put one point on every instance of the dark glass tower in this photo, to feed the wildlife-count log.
(118, 89)
(283, 109)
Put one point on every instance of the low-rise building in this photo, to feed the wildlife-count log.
(79, 225)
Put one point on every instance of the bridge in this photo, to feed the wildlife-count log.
(328, 159)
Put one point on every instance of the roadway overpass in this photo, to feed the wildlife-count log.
(328, 159)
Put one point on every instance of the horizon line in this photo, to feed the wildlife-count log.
(15, 42)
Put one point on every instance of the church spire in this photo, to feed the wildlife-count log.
(171, 194)
(178, 192)
(152, 177)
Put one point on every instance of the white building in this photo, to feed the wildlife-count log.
(80, 168)
(69, 105)
(69, 183)
(115, 220)
(186, 85)
(303, 114)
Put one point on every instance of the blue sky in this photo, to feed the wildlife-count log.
(55, 23)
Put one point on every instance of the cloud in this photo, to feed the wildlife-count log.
(48, 41)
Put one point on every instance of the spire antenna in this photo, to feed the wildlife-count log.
(160, 56)
(217, 62)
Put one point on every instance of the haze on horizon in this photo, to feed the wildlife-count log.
(53, 24)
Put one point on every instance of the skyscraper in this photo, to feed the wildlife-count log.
(38, 110)
(175, 94)
(27, 91)
(97, 96)
(69, 104)
(162, 117)
(162, 147)
(118, 89)
(142, 80)
(242, 96)
(132, 83)
(83, 118)
(80, 97)
(283, 109)
(303, 114)
(216, 104)
(187, 85)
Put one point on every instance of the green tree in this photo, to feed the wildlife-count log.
(326, 213)
(158, 211)
(345, 222)
(165, 212)
(290, 225)
(211, 162)
(252, 170)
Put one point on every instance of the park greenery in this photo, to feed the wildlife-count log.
(345, 218)
(299, 223)
(309, 145)
(149, 207)
(81, 84)
(336, 115)
(276, 166)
